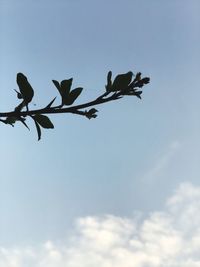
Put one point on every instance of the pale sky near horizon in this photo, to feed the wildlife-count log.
(132, 157)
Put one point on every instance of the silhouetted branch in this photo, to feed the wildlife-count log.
(121, 86)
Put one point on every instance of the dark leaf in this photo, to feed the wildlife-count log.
(109, 81)
(38, 129)
(4, 121)
(91, 113)
(122, 81)
(43, 121)
(137, 77)
(10, 120)
(66, 86)
(74, 94)
(63, 88)
(25, 88)
(146, 80)
(50, 104)
(139, 84)
(57, 85)
(142, 82)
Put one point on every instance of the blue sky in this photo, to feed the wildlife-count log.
(136, 153)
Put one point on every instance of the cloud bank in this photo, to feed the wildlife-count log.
(168, 238)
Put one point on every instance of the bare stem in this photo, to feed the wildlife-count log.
(58, 109)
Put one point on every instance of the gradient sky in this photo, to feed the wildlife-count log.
(129, 159)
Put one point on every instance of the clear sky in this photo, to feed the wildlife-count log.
(123, 165)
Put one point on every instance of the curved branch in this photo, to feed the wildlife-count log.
(121, 86)
(59, 109)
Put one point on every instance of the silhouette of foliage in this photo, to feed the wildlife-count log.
(123, 84)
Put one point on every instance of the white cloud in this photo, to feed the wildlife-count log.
(168, 238)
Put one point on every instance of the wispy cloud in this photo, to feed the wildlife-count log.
(162, 162)
(168, 238)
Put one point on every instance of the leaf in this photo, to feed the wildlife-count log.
(57, 85)
(109, 81)
(50, 104)
(137, 77)
(25, 88)
(63, 88)
(4, 121)
(122, 81)
(38, 129)
(43, 121)
(74, 94)
(146, 80)
(10, 120)
(66, 86)
(142, 82)
(91, 113)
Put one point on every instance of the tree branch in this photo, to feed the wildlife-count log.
(60, 109)
(121, 86)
